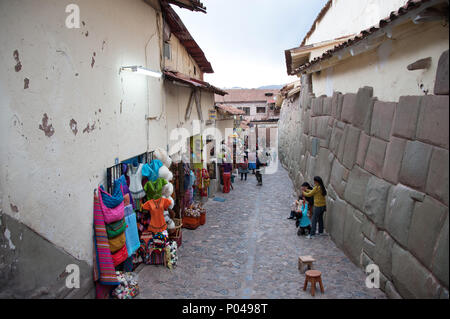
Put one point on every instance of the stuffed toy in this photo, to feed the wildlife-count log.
(167, 190)
(170, 223)
(163, 157)
(165, 173)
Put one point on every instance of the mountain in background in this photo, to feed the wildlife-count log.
(266, 87)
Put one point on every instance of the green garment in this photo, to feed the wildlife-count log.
(154, 189)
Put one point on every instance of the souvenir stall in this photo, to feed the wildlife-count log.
(196, 183)
(132, 223)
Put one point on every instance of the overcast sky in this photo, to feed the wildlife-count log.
(245, 39)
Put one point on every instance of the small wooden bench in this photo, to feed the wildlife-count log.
(313, 276)
(305, 262)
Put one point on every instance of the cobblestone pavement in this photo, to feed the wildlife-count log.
(249, 249)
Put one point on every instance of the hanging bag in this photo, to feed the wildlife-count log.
(111, 215)
(120, 256)
(117, 243)
(116, 228)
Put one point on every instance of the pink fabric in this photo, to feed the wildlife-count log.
(111, 214)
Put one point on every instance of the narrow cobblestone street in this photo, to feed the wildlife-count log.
(248, 249)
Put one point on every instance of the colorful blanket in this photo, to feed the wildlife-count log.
(104, 272)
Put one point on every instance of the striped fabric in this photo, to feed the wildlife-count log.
(104, 271)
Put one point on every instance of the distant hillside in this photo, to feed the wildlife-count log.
(266, 87)
(271, 87)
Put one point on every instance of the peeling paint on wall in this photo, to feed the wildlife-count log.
(14, 208)
(48, 129)
(18, 65)
(89, 128)
(26, 83)
(92, 62)
(73, 126)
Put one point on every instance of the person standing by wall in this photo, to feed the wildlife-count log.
(318, 192)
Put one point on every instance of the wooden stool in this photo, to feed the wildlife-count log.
(305, 261)
(313, 276)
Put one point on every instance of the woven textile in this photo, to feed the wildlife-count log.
(104, 271)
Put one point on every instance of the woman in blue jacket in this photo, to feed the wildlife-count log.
(303, 222)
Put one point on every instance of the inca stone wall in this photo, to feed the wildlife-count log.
(385, 165)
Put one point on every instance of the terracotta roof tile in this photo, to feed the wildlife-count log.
(231, 109)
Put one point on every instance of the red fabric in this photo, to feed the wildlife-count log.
(226, 182)
(120, 256)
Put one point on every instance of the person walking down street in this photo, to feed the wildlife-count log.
(243, 169)
(227, 168)
(259, 168)
(252, 161)
(319, 193)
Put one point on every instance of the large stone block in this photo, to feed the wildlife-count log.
(433, 124)
(393, 160)
(336, 105)
(383, 113)
(336, 136)
(428, 218)
(406, 115)
(327, 108)
(306, 122)
(437, 181)
(400, 206)
(415, 163)
(321, 127)
(363, 145)
(376, 200)
(317, 106)
(315, 144)
(351, 147)
(439, 264)
(336, 222)
(441, 86)
(411, 279)
(368, 248)
(348, 107)
(375, 156)
(383, 253)
(353, 237)
(323, 167)
(369, 230)
(340, 153)
(355, 191)
(336, 179)
(363, 109)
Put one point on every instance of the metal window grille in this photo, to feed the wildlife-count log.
(114, 172)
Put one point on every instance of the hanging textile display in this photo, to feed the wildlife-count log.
(154, 189)
(131, 234)
(104, 272)
(135, 177)
(111, 205)
(140, 218)
(151, 170)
